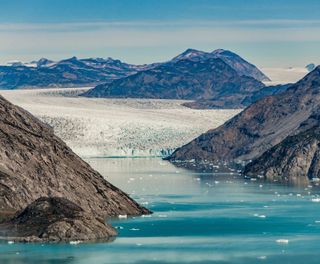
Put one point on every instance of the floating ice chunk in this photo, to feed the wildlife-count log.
(146, 216)
(282, 241)
(315, 200)
(75, 242)
(260, 186)
(262, 257)
(298, 195)
(162, 216)
(134, 229)
(260, 216)
(122, 216)
(10, 242)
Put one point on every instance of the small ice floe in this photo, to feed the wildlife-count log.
(260, 186)
(75, 242)
(139, 245)
(216, 182)
(10, 242)
(253, 179)
(163, 216)
(134, 229)
(146, 216)
(260, 216)
(282, 241)
(298, 195)
(122, 216)
(262, 257)
(317, 221)
(315, 200)
(315, 179)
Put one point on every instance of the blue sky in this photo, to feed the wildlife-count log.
(268, 33)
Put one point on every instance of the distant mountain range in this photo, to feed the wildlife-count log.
(220, 79)
(279, 133)
(183, 79)
(74, 72)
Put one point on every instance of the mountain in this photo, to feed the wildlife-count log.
(259, 127)
(73, 72)
(183, 79)
(310, 67)
(65, 73)
(296, 159)
(35, 163)
(55, 219)
(241, 66)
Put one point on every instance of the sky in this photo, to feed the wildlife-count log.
(273, 33)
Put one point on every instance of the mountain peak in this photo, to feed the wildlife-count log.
(190, 53)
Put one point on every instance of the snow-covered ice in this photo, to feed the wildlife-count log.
(117, 127)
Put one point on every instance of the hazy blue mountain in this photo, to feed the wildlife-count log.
(184, 79)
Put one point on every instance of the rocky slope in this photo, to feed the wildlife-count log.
(259, 127)
(35, 163)
(295, 160)
(55, 219)
(184, 79)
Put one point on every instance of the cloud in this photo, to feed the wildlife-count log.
(74, 38)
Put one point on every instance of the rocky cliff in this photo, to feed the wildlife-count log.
(259, 127)
(35, 163)
(55, 219)
(295, 159)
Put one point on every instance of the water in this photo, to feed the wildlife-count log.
(198, 218)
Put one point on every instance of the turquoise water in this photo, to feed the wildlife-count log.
(198, 218)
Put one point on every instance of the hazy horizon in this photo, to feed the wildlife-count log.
(266, 33)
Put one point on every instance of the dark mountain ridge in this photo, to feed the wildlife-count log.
(184, 79)
(259, 127)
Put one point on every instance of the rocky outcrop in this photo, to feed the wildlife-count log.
(35, 163)
(259, 127)
(212, 79)
(295, 160)
(55, 219)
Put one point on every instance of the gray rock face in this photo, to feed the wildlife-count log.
(295, 160)
(55, 219)
(259, 127)
(35, 163)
